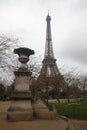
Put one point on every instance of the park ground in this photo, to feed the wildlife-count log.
(25, 125)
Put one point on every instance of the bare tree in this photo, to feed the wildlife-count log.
(72, 85)
(83, 85)
(34, 65)
(7, 45)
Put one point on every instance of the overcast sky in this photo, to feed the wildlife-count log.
(26, 19)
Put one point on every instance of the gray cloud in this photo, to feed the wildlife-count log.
(69, 25)
(79, 56)
(74, 45)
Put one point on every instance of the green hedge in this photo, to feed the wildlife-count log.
(78, 111)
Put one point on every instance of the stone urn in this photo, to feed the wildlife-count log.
(20, 107)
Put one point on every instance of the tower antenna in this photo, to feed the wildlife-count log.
(48, 12)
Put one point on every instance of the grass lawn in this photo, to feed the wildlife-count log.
(73, 110)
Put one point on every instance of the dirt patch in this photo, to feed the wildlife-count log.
(79, 124)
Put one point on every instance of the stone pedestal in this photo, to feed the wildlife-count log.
(21, 108)
(20, 111)
(41, 111)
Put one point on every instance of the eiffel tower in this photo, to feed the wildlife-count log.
(49, 71)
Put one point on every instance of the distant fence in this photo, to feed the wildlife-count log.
(64, 100)
(71, 100)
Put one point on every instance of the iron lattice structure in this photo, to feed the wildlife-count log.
(49, 71)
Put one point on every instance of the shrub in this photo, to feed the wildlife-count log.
(77, 110)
